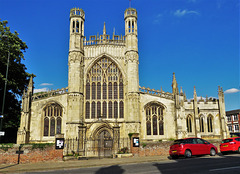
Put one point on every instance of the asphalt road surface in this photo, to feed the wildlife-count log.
(206, 164)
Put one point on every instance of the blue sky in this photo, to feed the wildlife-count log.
(196, 39)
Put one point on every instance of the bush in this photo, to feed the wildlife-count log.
(41, 145)
(6, 146)
(123, 150)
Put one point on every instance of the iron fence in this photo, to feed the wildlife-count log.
(95, 147)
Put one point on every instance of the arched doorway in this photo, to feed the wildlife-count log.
(105, 143)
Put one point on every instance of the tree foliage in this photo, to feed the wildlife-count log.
(17, 79)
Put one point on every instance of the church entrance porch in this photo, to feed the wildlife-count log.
(101, 145)
(105, 144)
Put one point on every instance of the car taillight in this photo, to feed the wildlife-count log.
(232, 143)
(181, 145)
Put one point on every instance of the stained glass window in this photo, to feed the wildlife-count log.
(154, 119)
(106, 90)
(52, 119)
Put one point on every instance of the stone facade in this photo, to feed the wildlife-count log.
(104, 100)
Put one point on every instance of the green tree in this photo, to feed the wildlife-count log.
(17, 79)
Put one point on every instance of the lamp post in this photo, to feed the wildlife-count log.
(5, 37)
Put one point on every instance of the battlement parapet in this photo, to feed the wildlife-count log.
(104, 39)
(41, 95)
(154, 92)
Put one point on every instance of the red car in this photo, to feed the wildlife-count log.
(230, 145)
(192, 146)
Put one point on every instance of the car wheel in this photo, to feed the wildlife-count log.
(212, 152)
(188, 154)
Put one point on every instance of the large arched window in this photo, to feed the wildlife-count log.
(52, 119)
(154, 119)
(201, 122)
(106, 86)
(189, 123)
(209, 123)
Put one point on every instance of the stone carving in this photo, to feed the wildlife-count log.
(75, 56)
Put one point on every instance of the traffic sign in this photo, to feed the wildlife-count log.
(2, 133)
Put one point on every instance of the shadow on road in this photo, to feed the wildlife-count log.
(8, 166)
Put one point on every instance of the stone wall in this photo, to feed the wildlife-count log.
(158, 148)
(30, 155)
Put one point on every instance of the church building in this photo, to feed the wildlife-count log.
(103, 104)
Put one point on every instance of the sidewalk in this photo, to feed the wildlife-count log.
(60, 165)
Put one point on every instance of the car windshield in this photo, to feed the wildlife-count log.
(227, 140)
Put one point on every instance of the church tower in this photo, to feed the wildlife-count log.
(132, 61)
(75, 60)
(75, 73)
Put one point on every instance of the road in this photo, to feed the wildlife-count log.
(205, 164)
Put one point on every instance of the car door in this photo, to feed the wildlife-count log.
(238, 142)
(194, 146)
(203, 147)
(206, 147)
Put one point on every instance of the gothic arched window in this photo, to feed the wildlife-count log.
(209, 123)
(110, 110)
(161, 128)
(87, 91)
(104, 109)
(106, 90)
(154, 119)
(98, 90)
(93, 110)
(201, 122)
(154, 125)
(87, 110)
(46, 126)
(148, 127)
(98, 109)
(110, 90)
(93, 91)
(52, 119)
(189, 123)
(121, 90)
(115, 109)
(121, 109)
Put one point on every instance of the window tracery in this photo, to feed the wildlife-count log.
(154, 120)
(105, 88)
(52, 120)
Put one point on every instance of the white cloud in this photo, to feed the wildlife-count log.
(40, 90)
(232, 90)
(157, 18)
(46, 84)
(181, 13)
